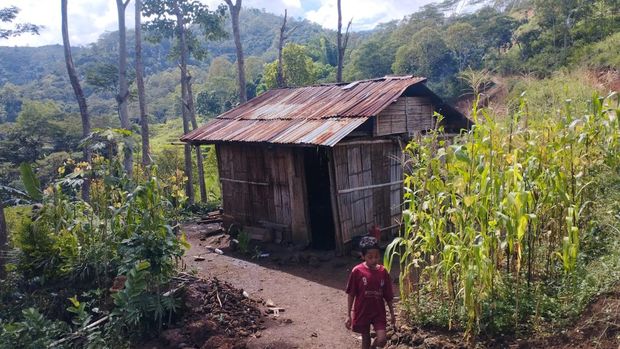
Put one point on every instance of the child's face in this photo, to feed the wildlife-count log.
(372, 257)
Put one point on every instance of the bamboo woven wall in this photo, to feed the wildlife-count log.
(368, 183)
(261, 184)
(406, 115)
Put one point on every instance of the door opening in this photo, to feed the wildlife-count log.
(316, 161)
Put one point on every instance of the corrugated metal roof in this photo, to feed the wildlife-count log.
(317, 115)
(303, 132)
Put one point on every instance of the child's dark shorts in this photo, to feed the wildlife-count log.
(378, 323)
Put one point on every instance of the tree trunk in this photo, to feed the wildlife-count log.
(280, 75)
(342, 44)
(199, 161)
(77, 89)
(339, 43)
(189, 188)
(144, 121)
(234, 15)
(4, 239)
(123, 90)
(188, 105)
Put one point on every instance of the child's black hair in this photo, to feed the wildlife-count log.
(368, 243)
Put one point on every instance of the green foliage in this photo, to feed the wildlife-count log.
(103, 77)
(464, 41)
(219, 93)
(297, 68)
(506, 206)
(125, 233)
(34, 331)
(31, 182)
(8, 15)
(244, 242)
(373, 58)
(546, 95)
(40, 129)
(560, 29)
(10, 103)
(600, 55)
(140, 303)
(428, 55)
(163, 15)
(17, 217)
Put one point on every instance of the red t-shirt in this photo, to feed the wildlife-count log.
(370, 287)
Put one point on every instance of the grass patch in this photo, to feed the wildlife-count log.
(17, 217)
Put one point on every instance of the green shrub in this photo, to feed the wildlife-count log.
(34, 331)
(244, 242)
(604, 54)
(118, 253)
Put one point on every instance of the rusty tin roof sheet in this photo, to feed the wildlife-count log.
(313, 115)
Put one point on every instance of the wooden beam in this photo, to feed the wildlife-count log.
(350, 190)
(243, 182)
(375, 141)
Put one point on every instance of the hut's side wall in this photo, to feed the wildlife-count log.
(264, 188)
(368, 186)
(406, 115)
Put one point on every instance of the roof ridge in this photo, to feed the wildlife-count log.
(325, 84)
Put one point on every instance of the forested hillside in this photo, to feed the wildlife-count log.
(506, 38)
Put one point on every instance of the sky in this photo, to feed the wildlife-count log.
(90, 18)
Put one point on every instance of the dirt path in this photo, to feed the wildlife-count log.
(313, 296)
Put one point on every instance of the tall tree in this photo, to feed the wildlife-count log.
(342, 43)
(234, 16)
(123, 87)
(144, 122)
(174, 18)
(77, 89)
(284, 34)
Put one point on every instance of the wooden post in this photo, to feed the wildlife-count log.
(335, 204)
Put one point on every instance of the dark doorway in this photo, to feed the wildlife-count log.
(316, 161)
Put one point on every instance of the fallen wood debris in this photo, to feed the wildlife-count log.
(210, 218)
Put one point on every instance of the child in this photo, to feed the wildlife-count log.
(369, 285)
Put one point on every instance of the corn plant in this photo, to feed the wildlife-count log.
(490, 216)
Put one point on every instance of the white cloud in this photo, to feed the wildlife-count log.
(292, 4)
(366, 14)
(87, 20)
(90, 18)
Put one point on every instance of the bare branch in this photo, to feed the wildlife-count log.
(339, 44)
(279, 75)
(346, 37)
(126, 3)
(292, 30)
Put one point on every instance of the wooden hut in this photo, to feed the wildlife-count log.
(320, 165)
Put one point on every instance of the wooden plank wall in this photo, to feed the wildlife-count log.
(406, 115)
(261, 184)
(363, 173)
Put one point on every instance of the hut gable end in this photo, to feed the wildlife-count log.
(406, 115)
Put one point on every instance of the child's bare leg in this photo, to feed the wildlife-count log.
(380, 340)
(366, 340)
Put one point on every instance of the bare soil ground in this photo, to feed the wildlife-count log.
(308, 284)
(309, 287)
